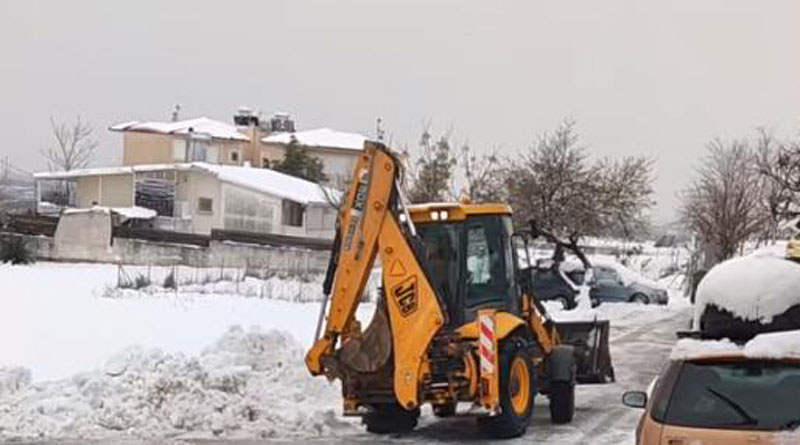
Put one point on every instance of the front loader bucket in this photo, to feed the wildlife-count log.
(592, 354)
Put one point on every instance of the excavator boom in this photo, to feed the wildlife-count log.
(368, 225)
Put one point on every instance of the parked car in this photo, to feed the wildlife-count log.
(722, 397)
(549, 285)
(615, 283)
(608, 285)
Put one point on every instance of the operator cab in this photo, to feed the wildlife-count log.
(468, 256)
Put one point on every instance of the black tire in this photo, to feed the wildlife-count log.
(511, 423)
(390, 419)
(562, 402)
(446, 410)
(640, 298)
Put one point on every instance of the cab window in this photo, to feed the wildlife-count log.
(489, 263)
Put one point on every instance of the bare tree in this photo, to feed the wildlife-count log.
(554, 184)
(779, 164)
(431, 174)
(483, 176)
(724, 203)
(75, 145)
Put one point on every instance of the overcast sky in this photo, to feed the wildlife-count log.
(639, 77)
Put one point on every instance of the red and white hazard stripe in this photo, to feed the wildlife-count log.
(487, 343)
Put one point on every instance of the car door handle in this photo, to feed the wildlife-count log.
(676, 441)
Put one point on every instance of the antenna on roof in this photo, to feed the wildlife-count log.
(175, 112)
(379, 133)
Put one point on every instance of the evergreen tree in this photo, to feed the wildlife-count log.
(297, 162)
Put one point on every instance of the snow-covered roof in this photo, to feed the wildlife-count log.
(259, 179)
(755, 287)
(320, 137)
(272, 182)
(105, 171)
(772, 345)
(203, 125)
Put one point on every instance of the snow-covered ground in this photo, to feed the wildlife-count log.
(75, 364)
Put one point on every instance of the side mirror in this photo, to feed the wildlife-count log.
(634, 399)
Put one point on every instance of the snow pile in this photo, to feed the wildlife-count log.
(13, 379)
(248, 384)
(756, 287)
(773, 345)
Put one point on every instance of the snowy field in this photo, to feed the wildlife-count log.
(194, 367)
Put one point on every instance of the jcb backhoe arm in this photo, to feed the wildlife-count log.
(369, 224)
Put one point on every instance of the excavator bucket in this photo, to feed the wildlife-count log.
(590, 340)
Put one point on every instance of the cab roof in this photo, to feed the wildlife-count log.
(454, 211)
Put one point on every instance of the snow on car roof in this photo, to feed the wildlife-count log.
(320, 137)
(627, 275)
(755, 287)
(772, 345)
(201, 125)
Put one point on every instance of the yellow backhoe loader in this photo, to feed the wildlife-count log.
(455, 321)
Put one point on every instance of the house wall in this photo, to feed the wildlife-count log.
(87, 191)
(153, 148)
(320, 221)
(146, 148)
(249, 211)
(117, 191)
(106, 190)
(338, 165)
(272, 152)
(189, 188)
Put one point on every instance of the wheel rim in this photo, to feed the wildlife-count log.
(520, 382)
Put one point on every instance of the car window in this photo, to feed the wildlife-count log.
(741, 395)
(662, 390)
(603, 273)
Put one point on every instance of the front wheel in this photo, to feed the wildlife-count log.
(517, 391)
(640, 298)
(562, 401)
(390, 419)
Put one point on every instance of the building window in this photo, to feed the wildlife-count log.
(292, 213)
(205, 205)
(234, 156)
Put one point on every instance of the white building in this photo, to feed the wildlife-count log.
(199, 197)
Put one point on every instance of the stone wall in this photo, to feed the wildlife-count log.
(286, 260)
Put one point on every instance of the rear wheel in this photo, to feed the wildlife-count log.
(562, 401)
(390, 418)
(640, 298)
(517, 391)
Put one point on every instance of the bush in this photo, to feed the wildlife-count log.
(169, 281)
(15, 251)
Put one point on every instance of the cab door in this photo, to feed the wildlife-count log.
(488, 266)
